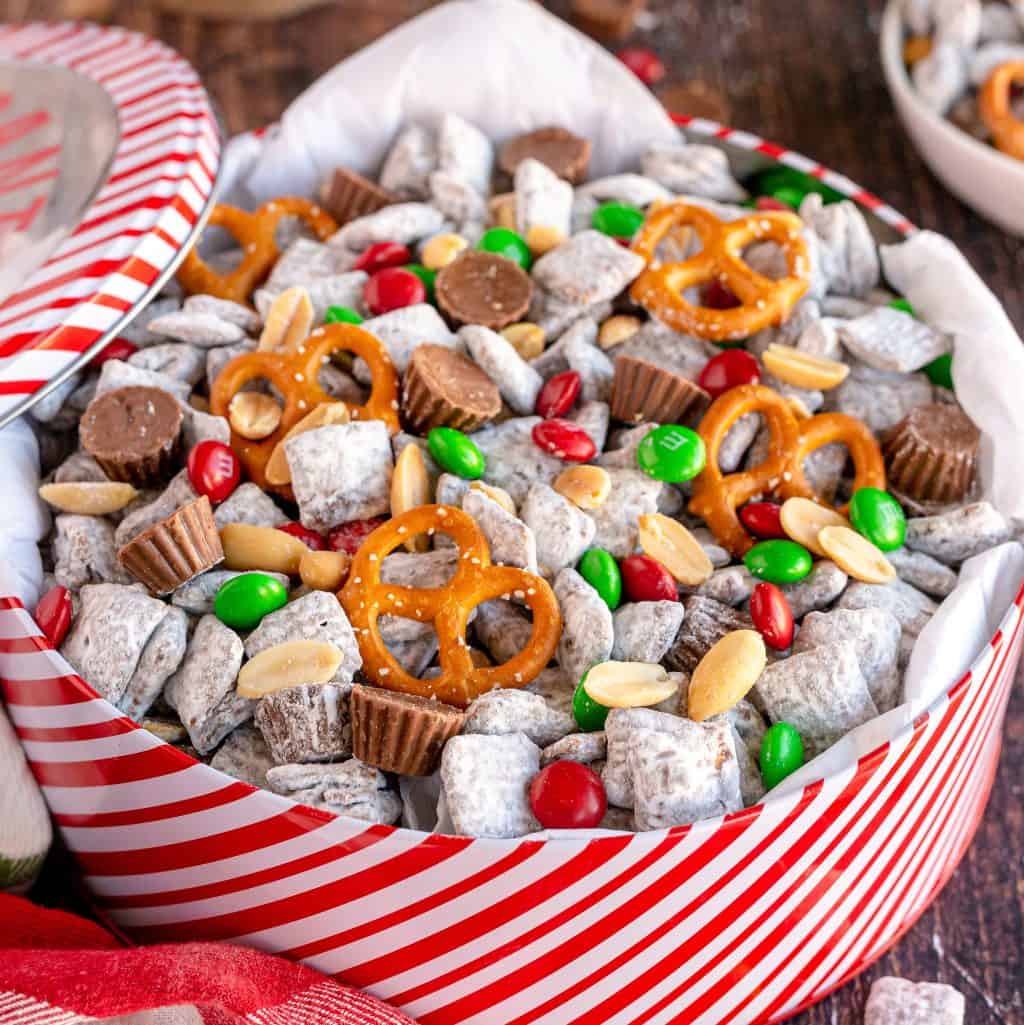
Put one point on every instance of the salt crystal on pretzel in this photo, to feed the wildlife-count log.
(517, 711)
(245, 756)
(645, 630)
(587, 268)
(889, 339)
(957, 534)
(901, 1002)
(348, 788)
(84, 552)
(307, 723)
(562, 530)
(409, 162)
(517, 381)
(587, 631)
(690, 169)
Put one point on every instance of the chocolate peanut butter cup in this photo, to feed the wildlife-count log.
(483, 288)
(401, 733)
(347, 195)
(566, 154)
(443, 388)
(642, 391)
(133, 434)
(931, 454)
(607, 20)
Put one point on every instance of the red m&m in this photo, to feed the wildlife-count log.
(119, 348)
(391, 289)
(729, 369)
(214, 470)
(646, 579)
(349, 536)
(558, 394)
(564, 439)
(763, 519)
(772, 616)
(568, 795)
(310, 538)
(381, 255)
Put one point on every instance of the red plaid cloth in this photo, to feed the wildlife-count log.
(58, 969)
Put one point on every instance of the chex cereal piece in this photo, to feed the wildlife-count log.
(923, 572)
(179, 360)
(79, 467)
(941, 77)
(46, 410)
(588, 268)
(218, 359)
(633, 494)
(732, 585)
(555, 687)
(302, 263)
(900, 1002)
(316, 616)
(201, 328)
(596, 370)
(404, 329)
(555, 316)
(159, 659)
(705, 623)
(404, 223)
(511, 541)
(690, 169)
(821, 338)
(344, 289)
(587, 631)
(341, 472)
(912, 608)
(824, 468)
(881, 398)
(502, 628)
(248, 503)
(889, 339)
(420, 569)
(875, 636)
(847, 250)
(308, 723)
(821, 692)
(118, 374)
(486, 780)
(196, 597)
(518, 711)
(459, 202)
(595, 418)
(514, 461)
(137, 332)
(202, 692)
(957, 22)
(449, 491)
(84, 552)
(517, 381)
(622, 446)
(959, 533)
(986, 59)
(817, 590)
(178, 492)
(225, 309)
(645, 630)
(109, 633)
(552, 360)
(244, 755)
(465, 152)
(585, 748)
(666, 348)
(621, 724)
(543, 200)
(737, 441)
(407, 167)
(562, 530)
(998, 23)
(349, 788)
(633, 189)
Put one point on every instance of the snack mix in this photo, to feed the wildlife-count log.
(966, 61)
(485, 497)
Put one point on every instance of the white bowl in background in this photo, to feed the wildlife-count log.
(988, 181)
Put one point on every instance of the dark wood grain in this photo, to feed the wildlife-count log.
(805, 74)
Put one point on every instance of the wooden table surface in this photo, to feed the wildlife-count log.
(806, 74)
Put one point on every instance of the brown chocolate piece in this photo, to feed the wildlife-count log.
(173, 551)
(443, 388)
(607, 20)
(483, 288)
(695, 98)
(133, 434)
(568, 155)
(705, 623)
(931, 453)
(401, 732)
(347, 195)
(642, 391)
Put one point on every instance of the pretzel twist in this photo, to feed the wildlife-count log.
(996, 108)
(717, 496)
(365, 599)
(764, 302)
(254, 232)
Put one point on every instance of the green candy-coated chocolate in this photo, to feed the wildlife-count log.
(790, 196)
(426, 275)
(589, 714)
(879, 517)
(617, 219)
(505, 242)
(671, 453)
(782, 753)
(770, 181)
(902, 305)
(940, 371)
(243, 601)
(341, 315)
(778, 561)
(601, 571)
(456, 452)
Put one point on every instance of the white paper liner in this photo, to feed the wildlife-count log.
(527, 69)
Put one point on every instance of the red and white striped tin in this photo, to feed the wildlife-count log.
(735, 920)
(158, 187)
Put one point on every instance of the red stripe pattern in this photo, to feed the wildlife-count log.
(732, 921)
(160, 183)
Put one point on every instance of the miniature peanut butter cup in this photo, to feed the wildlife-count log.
(347, 195)
(566, 154)
(642, 391)
(443, 388)
(133, 434)
(695, 98)
(607, 20)
(931, 454)
(483, 288)
(401, 732)
(173, 551)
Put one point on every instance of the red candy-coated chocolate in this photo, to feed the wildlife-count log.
(391, 289)
(559, 393)
(646, 579)
(564, 439)
(214, 470)
(762, 519)
(717, 297)
(349, 536)
(729, 369)
(53, 614)
(644, 63)
(770, 203)
(568, 795)
(772, 615)
(381, 255)
(118, 348)
(310, 538)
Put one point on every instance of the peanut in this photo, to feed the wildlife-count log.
(630, 684)
(289, 320)
(803, 369)
(803, 521)
(526, 338)
(725, 674)
(542, 238)
(856, 555)
(500, 495)
(323, 571)
(502, 209)
(254, 415)
(288, 665)
(88, 498)
(585, 486)
(439, 251)
(410, 488)
(670, 543)
(263, 548)
(278, 471)
(615, 330)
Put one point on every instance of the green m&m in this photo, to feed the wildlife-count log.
(617, 219)
(601, 571)
(671, 453)
(456, 452)
(243, 601)
(778, 561)
(782, 753)
(940, 371)
(773, 180)
(879, 517)
(426, 275)
(902, 305)
(342, 315)
(505, 242)
(588, 713)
